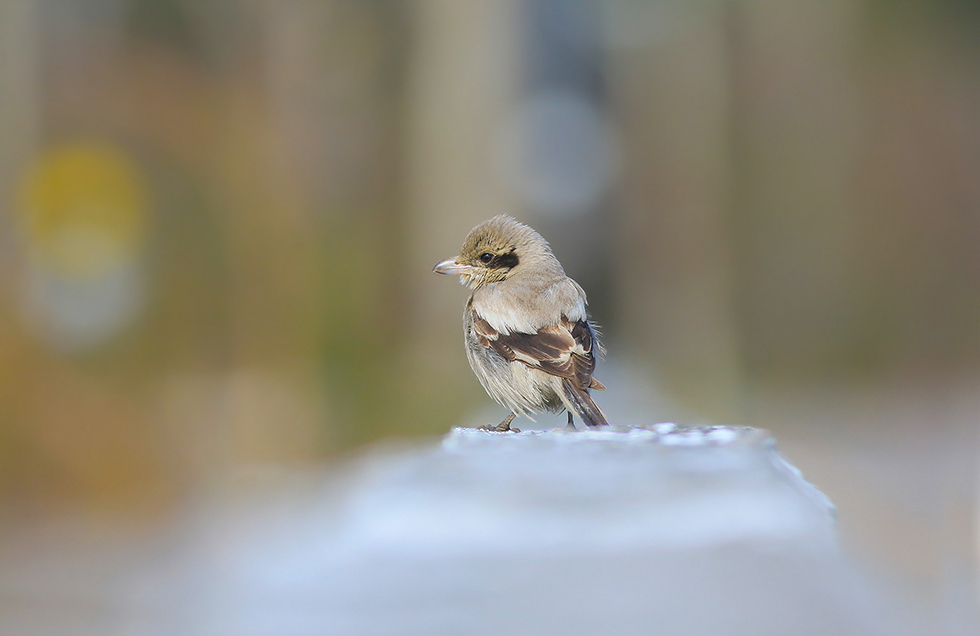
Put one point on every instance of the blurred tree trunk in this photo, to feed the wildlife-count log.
(19, 106)
(463, 78)
(795, 117)
(675, 266)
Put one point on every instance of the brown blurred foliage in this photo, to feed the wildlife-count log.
(795, 199)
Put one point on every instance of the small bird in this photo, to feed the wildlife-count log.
(528, 336)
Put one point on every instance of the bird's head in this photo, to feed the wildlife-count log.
(496, 250)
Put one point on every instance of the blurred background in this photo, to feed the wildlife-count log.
(219, 222)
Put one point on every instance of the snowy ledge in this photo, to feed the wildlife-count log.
(661, 530)
(661, 487)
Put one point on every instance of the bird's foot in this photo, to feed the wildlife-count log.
(503, 427)
(570, 427)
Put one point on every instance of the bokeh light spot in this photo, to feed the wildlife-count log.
(558, 152)
(83, 209)
(83, 219)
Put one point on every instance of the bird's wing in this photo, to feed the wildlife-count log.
(565, 350)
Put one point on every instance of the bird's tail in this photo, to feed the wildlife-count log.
(583, 405)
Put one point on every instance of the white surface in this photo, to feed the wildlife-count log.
(661, 531)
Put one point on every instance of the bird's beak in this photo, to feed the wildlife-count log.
(451, 266)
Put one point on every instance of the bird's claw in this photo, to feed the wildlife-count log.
(503, 427)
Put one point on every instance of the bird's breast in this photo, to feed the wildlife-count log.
(527, 306)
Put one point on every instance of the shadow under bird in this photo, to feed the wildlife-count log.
(528, 336)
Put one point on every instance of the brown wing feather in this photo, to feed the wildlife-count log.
(564, 350)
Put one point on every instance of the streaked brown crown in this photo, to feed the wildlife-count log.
(499, 245)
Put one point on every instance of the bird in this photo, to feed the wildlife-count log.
(528, 336)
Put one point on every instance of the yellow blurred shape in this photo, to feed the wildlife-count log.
(83, 208)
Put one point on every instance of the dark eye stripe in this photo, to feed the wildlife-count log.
(505, 260)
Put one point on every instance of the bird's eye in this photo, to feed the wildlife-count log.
(486, 257)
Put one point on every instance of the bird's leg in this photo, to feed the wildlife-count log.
(504, 426)
(571, 425)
